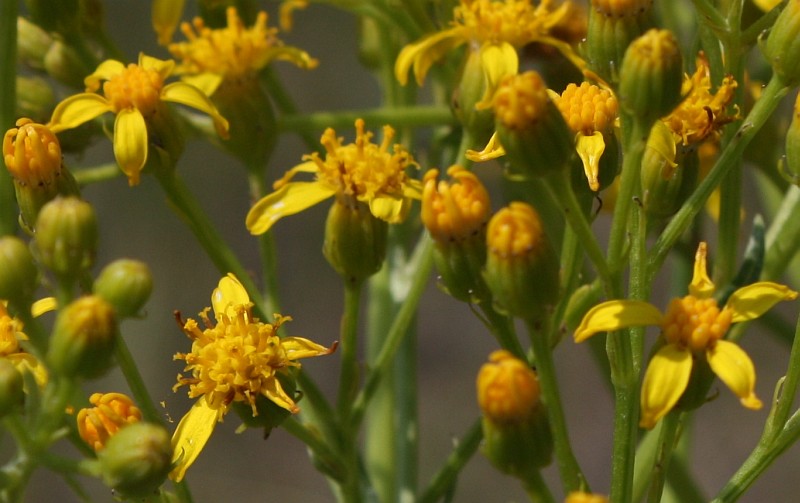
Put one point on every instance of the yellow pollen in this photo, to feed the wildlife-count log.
(517, 22)
(695, 323)
(135, 87)
(515, 231)
(621, 8)
(588, 108)
(454, 211)
(32, 153)
(508, 390)
(520, 100)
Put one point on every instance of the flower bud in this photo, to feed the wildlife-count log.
(35, 97)
(66, 236)
(18, 273)
(613, 25)
(111, 412)
(83, 338)
(136, 460)
(521, 267)
(126, 284)
(782, 49)
(11, 387)
(32, 43)
(355, 240)
(471, 90)
(64, 64)
(793, 143)
(516, 433)
(532, 131)
(665, 185)
(651, 76)
(456, 215)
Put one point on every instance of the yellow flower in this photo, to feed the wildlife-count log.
(237, 359)
(693, 327)
(508, 390)
(495, 29)
(11, 335)
(233, 52)
(360, 171)
(111, 412)
(135, 94)
(32, 153)
(454, 211)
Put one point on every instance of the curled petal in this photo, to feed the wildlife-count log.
(392, 209)
(736, 370)
(130, 143)
(289, 199)
(105, 71)
(701, 286)
(191, 435)
(299, 347)
(272, 389)
(617, 314)
(77, 109)
(298, 57)
(186, 94)
(207, 82)
(423, 54)
(664, 382)
(161, 66)
(493, 150)
(228, 294)
(498, 61)
(751, 301)
(590, 149)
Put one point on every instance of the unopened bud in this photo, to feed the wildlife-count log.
(126, 284)
(355, 240)
(66, 236)
(18, 273)
(111, 412)
(136, 460)
(783, 44)
(83, 338)
(613, 25)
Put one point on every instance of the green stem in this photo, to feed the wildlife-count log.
(666, 444)
(267, 250)
(134, 379)
(502, 327)
(412, 116)
(785, 393)
(349, 375)
(324, 455)
(8, 107)
(96, 174)
(783, 236)
(445, 478)
(572, 477)
(537, 489)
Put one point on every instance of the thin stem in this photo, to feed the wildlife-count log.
(537, 489)
(267, 250)
(502, 327)
(445, 478)
(666, 444)
(348, 378)
(134, 379)
(572, 477)
(97, 174)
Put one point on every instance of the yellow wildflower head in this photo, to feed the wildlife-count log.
(32, 153)
(362, 171)
(587, 108)
(11, 335)
(111, 412)
(508, 390)
(693, 327)
(701, 113)
(516, 22)
(235, 51)
(521, 100)
(236, 359)
(454, 211)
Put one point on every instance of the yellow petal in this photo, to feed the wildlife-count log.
(751, 301)
(186, 94)
(130, 143)
(191, 435)
(290, 199)
(163, 67)
(735, 369)
(661, 141)
(298, 347)
(105, 71)
(272, 389)
(426, 52)
(305, 167)
(77, 109)
(228, 294)
(25, 362)
(701, 286)
(492, 150)
(766, 5)
(498, 61)
(165, 16)
(293, 55)
(616, 314)
(44, 305)
(664, 382)
(392, 209)
(590, 148)
(207, 82)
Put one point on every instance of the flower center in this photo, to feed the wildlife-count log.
(516, 22)
(695, 323)
(135, 87)
(363, 170)
(587, 108)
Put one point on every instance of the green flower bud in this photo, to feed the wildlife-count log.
(521, 267)
(11, 387)
(613, 25)
(516, 433)
(137, 460)
(126, 284)
(66, 237)
(32, 43)
(665, 184)
(63, 63)
(530, 127)
(651, 76)
(83, 338)
(35, 98)
(355, 240)
(782, 49)
(471, 90)
(18, 273)
(793, 144)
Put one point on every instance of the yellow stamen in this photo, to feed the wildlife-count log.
(136, 87)
(695, 323)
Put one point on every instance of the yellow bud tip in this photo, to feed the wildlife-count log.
(520, 100)
(453, 211)
(508, 390)
(515, 231)
(32, 153)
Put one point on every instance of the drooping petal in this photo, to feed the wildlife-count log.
(751, 301)
(664, 382)
(105, 71)
(299, 347)
(290, 199)
(413, 189)
(191, 435)
(187, 94)
(299, 57)
(44, 305)
(228, 294)
(304, 167)
(736, 370)
(590, 149)
(272, 389)
(392, 209)
(77, 109)
(165, 16)
(701, 286)
(130, 143)
(498, 61)
(492, 150)
(423, 54)
(617, 314)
